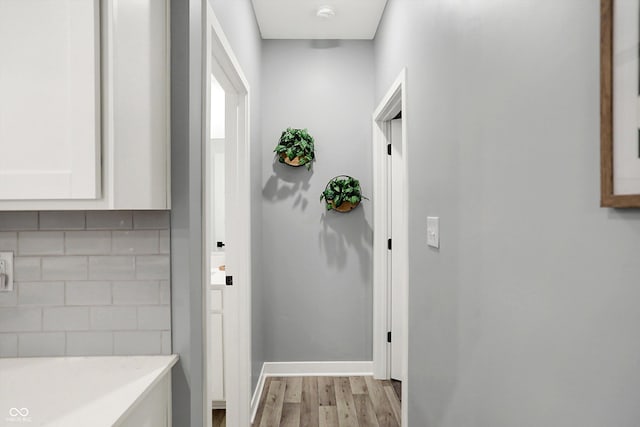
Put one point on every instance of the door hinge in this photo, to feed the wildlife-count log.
(389, 149)
(389, 244)
(229, 280)
(389, 336)
(220, 244)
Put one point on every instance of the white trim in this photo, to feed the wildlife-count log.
(237, 350)
(394, 101)
(317, 369)
(257, 394)
(218, 404)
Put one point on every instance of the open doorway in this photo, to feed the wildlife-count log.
(226, 276)
(215, 218)
(390, 245)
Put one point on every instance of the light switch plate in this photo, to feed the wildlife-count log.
(433, 231)
(6, 267)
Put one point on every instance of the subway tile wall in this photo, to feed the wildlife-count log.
(86, 283)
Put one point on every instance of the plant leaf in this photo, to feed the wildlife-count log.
(290, 154)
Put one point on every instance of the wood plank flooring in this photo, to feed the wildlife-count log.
(327, 402)
(219, 418)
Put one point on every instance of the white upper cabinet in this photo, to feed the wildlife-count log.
(138, 99)
(84, 104)
(49, 99)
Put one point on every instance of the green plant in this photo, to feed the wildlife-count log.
(342, 191)
(295, 148)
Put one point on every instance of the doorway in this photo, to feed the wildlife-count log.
(226, 276)
(215, 288)
(390, 245)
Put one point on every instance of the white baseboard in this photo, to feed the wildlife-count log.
(317, 369)
(307, 369)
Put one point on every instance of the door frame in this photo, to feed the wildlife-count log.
(220, 59)
(394, 101)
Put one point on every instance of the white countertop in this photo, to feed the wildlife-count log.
(76, 391)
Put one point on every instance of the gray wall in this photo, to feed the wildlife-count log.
(238, 22)
(86, 284)
(187, 309)
(317, 298)
(528, 314)
(240, 27)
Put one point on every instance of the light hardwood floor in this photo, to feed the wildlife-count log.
(218, 417)
(327, 402)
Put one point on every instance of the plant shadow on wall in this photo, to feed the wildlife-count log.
(286, 183)
(342, 231)
(295, 148)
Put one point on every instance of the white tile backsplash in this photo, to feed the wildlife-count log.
(20, 319)
(114, 318)
(40, 243)
(133, 242)
(41, 344)
(9, 299)
(112, 267)
(165, 241)
(137, 342)
(89, 343)
(26, 269)
(41, 293)
(136, 293)
(165, 292)
(12, 221)
(9, 241)
(110, 220)
(86, 283)
(152, 220)
(88, 293)
(152, 267)
(65, 318)
(87, 242)
(62, 220)
(8, 345)
(154, 317)
(65, 268)
(166, 342)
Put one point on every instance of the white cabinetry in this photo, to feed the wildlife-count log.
(84, 104)
(49, 99)
(215, 342)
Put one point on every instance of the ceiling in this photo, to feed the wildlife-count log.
(297, 19)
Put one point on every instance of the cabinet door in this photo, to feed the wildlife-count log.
(49, 99)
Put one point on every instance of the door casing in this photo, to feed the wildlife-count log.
(394, 101)
(221, 61)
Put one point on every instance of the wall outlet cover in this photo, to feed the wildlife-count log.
(433, 231)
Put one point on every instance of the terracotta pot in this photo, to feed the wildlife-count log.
(344, 206)
(295, 162)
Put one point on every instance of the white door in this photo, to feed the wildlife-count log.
(398, 280)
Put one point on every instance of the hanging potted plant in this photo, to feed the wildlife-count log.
(342, 193)
(295, 148)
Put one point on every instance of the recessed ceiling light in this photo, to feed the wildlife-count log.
(326, 12)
